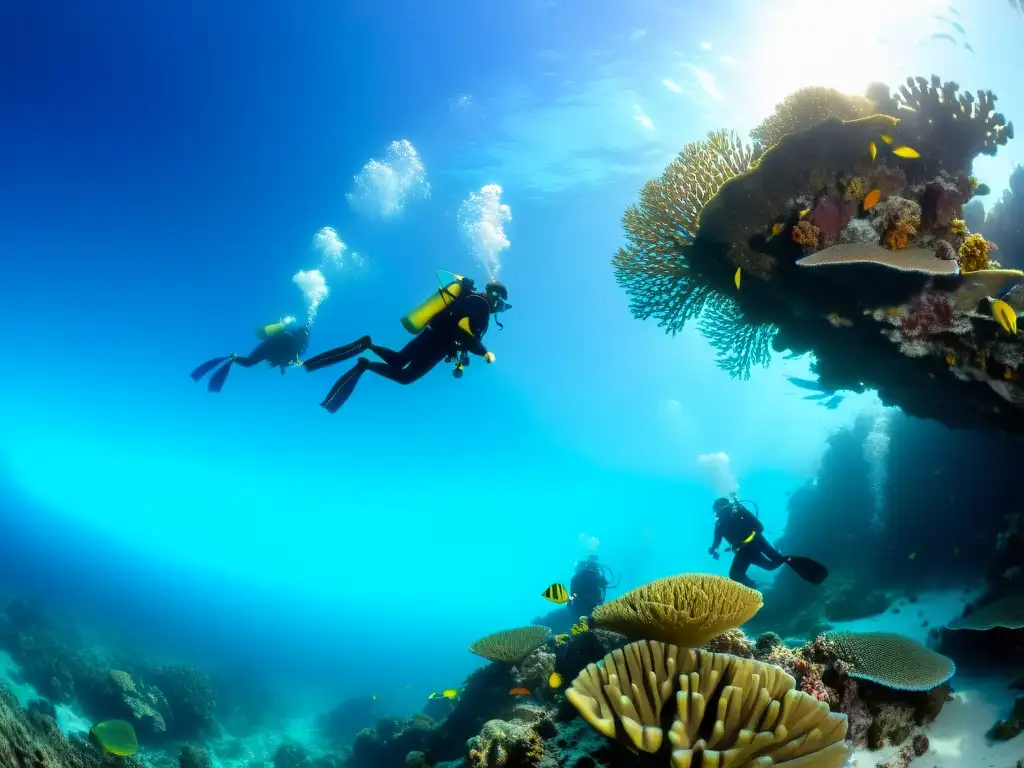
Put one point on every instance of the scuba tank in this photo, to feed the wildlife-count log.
(266, 331)
(420, 317)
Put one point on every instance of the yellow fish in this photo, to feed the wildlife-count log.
(872, 198)
(887, 139)
(736, 278)
(951, 359)
(447, 693)
(872, 150)
(554, 680)
(556, 593)
(906, 152)
(1004, 313)
(776, 230)
(115, 737)
(804, 212)
(1009, 374)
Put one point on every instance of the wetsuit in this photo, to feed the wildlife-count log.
(280, 350)
(442, 337)
(460, 325)
(589, 587)
(745, 534)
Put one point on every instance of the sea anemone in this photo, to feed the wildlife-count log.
(974, 253)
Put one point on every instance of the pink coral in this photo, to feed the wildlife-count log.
(927, 316)
(827, 219)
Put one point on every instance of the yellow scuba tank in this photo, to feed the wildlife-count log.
(266, 331)
(417, 319)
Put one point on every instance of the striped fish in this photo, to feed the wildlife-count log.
(556, 593)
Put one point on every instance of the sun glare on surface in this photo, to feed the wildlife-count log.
(842, 44)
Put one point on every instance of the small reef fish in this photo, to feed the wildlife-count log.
(834, 402)
(736, 278)
(556, 593)
(907, 152)
(447, 693)
(776, 231)
(887, 138)
(872, 198)
(872, 150)
(944, 36)
(968, 47)
(1005, 316)
(554, 680)
(956, 12)
(951, 359)
(805, 384)
(804, 212)
(115, 737)
(519, 692)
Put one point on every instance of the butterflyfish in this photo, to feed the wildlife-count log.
(115, 737)
(556, 593)
(519, 692)
(872, 198)
(872, 150)
(554, 680)
(804, 212)
(447, 693)
(1005, 315)
(886, 138)
(736, 278)
(906, 152)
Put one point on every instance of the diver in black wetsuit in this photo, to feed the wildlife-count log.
(588, 586)
(459, 326)
(745, 534)
(281, 346)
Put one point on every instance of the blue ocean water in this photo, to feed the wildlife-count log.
(166, 170)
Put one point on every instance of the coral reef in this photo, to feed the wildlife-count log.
(750, 258)
(511, 645)
(193, 757)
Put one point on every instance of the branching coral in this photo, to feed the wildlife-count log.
(973, 255)
(949, 125)
(740, 343)
(807, 108)
(806, 234)
(511, 646)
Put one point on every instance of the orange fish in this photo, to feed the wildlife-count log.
(872, 199)
(519, 692)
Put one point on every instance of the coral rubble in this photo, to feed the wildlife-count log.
(886, 174)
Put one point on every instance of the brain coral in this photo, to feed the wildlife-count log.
(689, 609)
(724, 711)
(893, 660)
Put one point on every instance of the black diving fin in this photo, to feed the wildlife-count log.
(343, 388)
(206, 367)
(337, 355)
(221, 375)
(807, 569)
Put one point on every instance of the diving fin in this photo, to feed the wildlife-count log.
(344, 387)
(337, 355)
(206, 367)
(218, 378)
(807, 569)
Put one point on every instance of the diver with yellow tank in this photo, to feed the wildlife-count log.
(448, 326)
(281, 345)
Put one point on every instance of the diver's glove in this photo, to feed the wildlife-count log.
(713, 553)
(488, 357)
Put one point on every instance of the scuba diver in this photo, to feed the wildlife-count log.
(745, 533)
(448, 325)
(281, 345)
(588, 586)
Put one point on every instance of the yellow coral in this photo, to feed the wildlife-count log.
(561, 639)
(807, 108)
(580, 627)
(974, 253)
(856, 187)
(896, 238)
(958, 227)
(806, 234)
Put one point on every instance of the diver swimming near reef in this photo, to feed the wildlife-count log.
(281, 345)
(588, 586)
(745, 533)
(448, 326)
